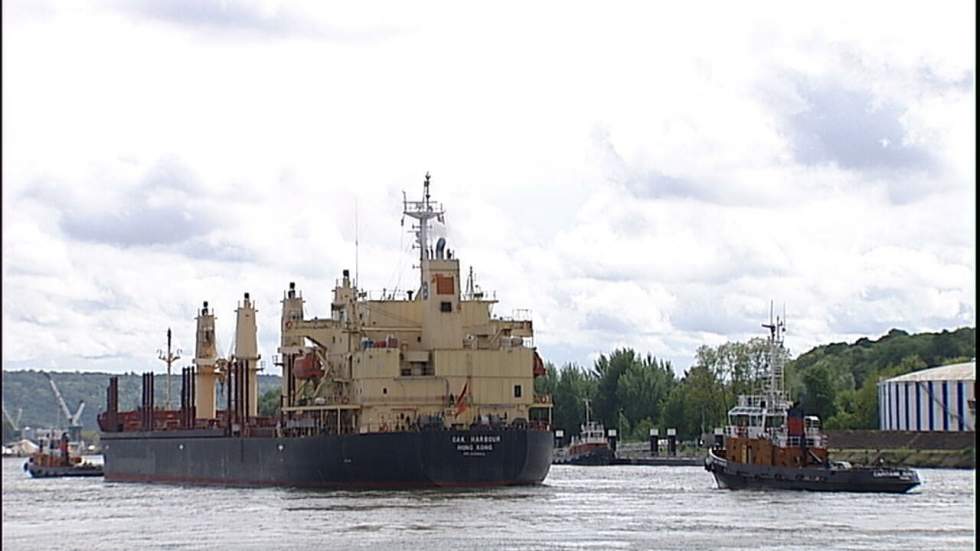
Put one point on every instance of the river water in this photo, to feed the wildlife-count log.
(621, 507)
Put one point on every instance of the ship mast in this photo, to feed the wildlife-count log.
(775, 389)
(423, 211)
(169, 359)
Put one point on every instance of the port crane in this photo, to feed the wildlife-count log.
(74, 420)
(14, 422)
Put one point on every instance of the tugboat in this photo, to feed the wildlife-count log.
(50, 461)
(590, 447)
(770, 444)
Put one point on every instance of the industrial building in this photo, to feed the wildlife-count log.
(936, 399)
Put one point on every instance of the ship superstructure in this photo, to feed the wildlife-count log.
(423, 387)
(432, 355)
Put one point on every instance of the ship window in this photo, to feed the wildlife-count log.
(445, 307)
(444, 285)
(384, 390)
(517, 391)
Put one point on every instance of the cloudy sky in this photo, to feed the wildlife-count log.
(641, 175)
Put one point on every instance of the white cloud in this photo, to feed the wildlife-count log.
(640, 175)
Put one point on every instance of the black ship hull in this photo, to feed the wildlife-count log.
(740, 476)
(377, 460)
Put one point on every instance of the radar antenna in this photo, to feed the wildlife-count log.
(423, 211)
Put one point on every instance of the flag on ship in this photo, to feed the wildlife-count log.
(461, 401)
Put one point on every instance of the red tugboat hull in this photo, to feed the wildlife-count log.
(590, 454)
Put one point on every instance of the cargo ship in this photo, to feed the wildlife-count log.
(770, 444)
(418, 388)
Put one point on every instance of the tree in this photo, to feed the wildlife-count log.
(819, 393)
(641, 430)
(643, 388)
(741, 367)
(269, 403)
(574, 386)
(695, 405)
(607, 371)
(706, 405)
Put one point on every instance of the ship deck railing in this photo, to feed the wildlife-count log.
(169, 420)
(746, 432)
(810, 441)
(385, 294)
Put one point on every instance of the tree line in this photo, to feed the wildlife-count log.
(627, 390)
(838, 382)
(634, 393)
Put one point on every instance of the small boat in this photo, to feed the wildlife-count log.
(51, 461)
(590, 447)
(770, 444)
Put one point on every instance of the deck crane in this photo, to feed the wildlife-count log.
(74, 420)
(14, 422)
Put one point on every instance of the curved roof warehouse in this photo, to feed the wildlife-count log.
(935, 399)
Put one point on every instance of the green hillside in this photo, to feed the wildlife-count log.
(838, 381)
(31, 391)
(635, 392)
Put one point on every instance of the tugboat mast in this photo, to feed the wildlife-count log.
(775, 391)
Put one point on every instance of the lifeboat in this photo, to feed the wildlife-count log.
(307, 367)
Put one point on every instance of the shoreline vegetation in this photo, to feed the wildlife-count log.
(837, 382)
(627, 391)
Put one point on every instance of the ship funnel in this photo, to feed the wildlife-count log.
(440, 248)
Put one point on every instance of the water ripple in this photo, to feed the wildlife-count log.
(578, 508)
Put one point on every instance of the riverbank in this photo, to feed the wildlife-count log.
(945, 450)
(905, 457)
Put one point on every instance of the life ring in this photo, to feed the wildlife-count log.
(289, 325)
